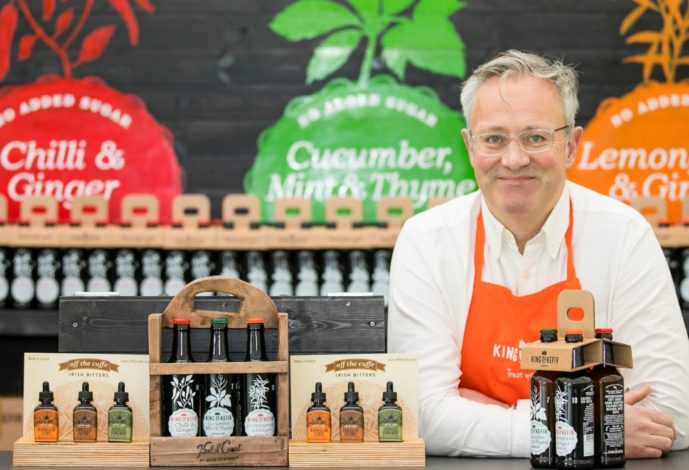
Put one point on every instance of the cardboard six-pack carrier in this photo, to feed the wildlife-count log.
(557, 356)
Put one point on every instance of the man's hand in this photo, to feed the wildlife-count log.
(647, 433)
(480, 397)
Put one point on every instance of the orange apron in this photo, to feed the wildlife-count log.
(498, 321)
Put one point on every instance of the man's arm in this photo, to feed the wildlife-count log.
(645, 314)
(419, 321)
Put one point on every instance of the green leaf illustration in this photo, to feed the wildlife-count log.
(428, 42)
(392, 7)
(443, 8)
(367, 9)
(332, 53)
(307, 19)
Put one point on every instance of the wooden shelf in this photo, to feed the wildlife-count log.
(27, 453)
(410, 453)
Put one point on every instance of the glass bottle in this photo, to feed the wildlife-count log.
(259, 388)
(351, 417)
(125, 273)
(318, 418)
(256, 271)
(46, 419)
(307, 275)
(4, 277)
(332, 273)
(85, 417)
(574, 431)
(390, 417)
(608, 393)
(99, 268)
(282, 274)
(543, 411)
(22, 288)
(175, 272)
(218, 418)
(72, 272)
(120, 417)
(359, 279)
(47, 287)
(201, 266)
(381, 273)
(180, 395)
(152, 274)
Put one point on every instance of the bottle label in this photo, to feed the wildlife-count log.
(119, 426)
(260, 422)
(218, 422)
(613, 420)
(351, 426)
(183, 423)
(589, 420)
(173, 286)
(98, 284)
(390, 425)
(70, 285)
(151, 286)
(22, 289)
(85, 426)
(125, 286)
(47, 290)
(318, 426)
(45, 426)
(565, 438)
(541, 437)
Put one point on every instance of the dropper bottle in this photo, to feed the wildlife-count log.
(120, 417)
(351, 417)
(318, 418)
(390, 417)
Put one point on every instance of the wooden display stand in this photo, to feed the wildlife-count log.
(27, 453)
(365, 454)
(219, 451)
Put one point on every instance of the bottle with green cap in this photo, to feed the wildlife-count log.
(351, 417)
(543, 411)
(390, 417)
(608, 393)
(120, 417)
(574, 432)
(218, 418)
(85, 417)
(318, 418)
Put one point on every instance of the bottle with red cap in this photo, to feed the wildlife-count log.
(181, 404)
(574, 409)
(258, 391)
(608, 393)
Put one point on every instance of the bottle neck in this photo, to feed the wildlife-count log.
(608, 355)
(256, 348)
(577, 357)
(181, 347)
(218, 351)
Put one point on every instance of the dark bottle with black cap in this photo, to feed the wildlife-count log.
(318, 418)
(180, 392)
(258, 394)
(218, 417)
(85, 417)
(351, 417)
(390, 417)
(120, 417)
(608, 393)
(574, 431)
(543, 411)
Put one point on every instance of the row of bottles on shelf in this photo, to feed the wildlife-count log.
(32, 278)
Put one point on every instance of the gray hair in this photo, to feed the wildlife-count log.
(513, 64)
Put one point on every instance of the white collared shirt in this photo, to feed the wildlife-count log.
(616, 257)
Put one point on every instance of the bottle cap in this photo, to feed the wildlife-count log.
(254, 320)
(120, 395)
(318, 395)
(605, 333)
(548, 335)
(181, 321)
(85, 394)
(574, 336)
(46, 395)
(219, 321)
(351, 396)
(389, 394)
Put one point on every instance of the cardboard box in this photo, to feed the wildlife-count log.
(10, 421)
(557, 356)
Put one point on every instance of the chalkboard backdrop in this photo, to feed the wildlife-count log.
(216, 75)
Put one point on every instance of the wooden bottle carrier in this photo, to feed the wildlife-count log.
(219, 451)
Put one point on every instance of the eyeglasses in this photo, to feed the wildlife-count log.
(531, 141)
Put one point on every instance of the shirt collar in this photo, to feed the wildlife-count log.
(554, 228)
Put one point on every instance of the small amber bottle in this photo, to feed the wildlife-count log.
(390, 417)
(46, 424)
(85, 417)
(351, 417)
(318, 423)
(120, 417)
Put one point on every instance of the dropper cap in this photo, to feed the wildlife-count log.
(46, 396)
(85, 394)
(318, 396)
(351, 396)
(121, 396)
(389, 394)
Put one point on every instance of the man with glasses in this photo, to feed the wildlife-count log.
(473, 279)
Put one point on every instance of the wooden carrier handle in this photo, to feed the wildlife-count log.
(253, 303)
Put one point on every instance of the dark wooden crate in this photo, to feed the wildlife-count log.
(317, 325)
